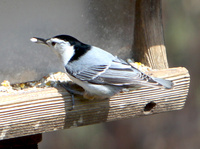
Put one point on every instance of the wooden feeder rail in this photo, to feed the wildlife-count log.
(45, 110)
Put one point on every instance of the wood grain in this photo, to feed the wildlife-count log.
(45, 110)
(149, 45)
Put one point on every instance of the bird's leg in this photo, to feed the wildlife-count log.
(73, 102)
(72, 91)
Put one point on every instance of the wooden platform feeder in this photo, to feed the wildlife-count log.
(47, 109)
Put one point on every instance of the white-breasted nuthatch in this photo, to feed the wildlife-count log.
(98, 72)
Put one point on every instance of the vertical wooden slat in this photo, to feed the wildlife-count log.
(149, 45)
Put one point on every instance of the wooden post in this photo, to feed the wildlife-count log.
(149, 45)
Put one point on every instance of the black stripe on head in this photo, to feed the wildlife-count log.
(80, 48)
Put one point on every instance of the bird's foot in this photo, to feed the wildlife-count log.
(72, 89)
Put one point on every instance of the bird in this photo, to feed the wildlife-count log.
(100, 73)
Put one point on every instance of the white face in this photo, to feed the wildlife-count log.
(58, 44)
(62, 48)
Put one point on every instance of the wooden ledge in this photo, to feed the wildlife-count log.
(45, 110)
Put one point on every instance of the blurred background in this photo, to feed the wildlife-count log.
(107, 24)
(22, 60)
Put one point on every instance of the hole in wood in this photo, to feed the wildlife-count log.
(149, 106)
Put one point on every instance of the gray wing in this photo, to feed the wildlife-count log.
(117, 73)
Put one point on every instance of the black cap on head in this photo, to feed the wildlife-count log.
(68, 38)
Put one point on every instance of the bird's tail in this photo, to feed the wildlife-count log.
(166, 83)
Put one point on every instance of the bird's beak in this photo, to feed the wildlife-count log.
(39, 40)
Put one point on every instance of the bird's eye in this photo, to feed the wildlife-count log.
(53, 43)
